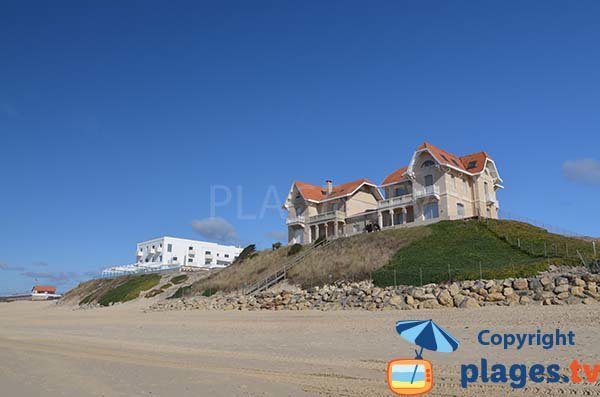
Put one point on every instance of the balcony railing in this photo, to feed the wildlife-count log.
(327, 216)
(432, 190)
(395, 201)
(295, 220)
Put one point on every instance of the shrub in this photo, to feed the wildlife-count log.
(179, 279)
(246, 253)
(181, 292)
(294, 249)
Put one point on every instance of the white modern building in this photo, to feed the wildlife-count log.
(183, 252)
(165, 253)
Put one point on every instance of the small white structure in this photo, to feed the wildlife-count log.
(44, 292)
(166, 253)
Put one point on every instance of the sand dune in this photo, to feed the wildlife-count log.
(123, 351)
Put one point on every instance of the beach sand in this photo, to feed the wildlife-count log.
(53, 350)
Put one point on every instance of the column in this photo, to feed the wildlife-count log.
(404, 212)
(392, 218)
(335, 228)
(380, 219)
(325, 227)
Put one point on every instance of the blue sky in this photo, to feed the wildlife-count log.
(116, 118)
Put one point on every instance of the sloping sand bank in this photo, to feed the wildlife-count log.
(122, 351)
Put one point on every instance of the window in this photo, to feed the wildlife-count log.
(472, 164)
(169, 247)
(190, 260)
(191, 248)
(485, 189)
(207, 261)
(192, 255)
(356, 228)
(428, 180)
(465, 187)
(217, 254)
(207, 253)
(431, 210)
(460, 209)
(427, 163)
(226, 255)
(174, 258)
(160, 258)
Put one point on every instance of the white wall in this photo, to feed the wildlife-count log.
(171, 250)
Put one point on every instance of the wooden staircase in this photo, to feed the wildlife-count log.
(281, 274)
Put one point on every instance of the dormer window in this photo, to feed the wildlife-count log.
(427, 163)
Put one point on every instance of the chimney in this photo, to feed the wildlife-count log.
(328, 186)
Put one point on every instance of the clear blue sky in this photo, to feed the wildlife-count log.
(116, 120)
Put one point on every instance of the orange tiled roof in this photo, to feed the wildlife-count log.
(475, 162)
(394, 177)
(318, 193)
(45, 288)
(472, 163)
(443, 156)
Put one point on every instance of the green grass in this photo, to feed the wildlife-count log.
(539, 242)
(182, 292)
(179, 279)
(130, 289)
(458, 250)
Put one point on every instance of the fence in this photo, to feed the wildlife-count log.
(110, 273)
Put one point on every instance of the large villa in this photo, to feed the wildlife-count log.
(436, 185)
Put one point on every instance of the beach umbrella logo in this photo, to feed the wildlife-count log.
(411, 377)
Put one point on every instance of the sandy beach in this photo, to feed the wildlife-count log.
(47, 349)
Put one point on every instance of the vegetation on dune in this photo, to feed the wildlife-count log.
(182, 292)
(443, 251)
(489, 249)
(294, 249)
(247, 253)
(179, 279)
(130, 289)
(347, 258)
(539, 242)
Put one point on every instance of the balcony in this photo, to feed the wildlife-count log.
(395, 201)
(328, 217)
(296, 220)
(428, 191)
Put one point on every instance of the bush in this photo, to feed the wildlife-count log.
(246, 253)
(294, 249)
(179, 279)
(209, 291)
(276, 246)
(181, 292)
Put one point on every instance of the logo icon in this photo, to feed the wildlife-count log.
(411, 377)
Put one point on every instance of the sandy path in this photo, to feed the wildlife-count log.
(121, 351)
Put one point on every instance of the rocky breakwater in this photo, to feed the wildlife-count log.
(547, 289)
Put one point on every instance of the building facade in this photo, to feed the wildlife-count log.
(183, 252)
(436, 185)
(166, 253)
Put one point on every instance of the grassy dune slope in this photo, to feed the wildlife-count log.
(448, 250)
(346, 258)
